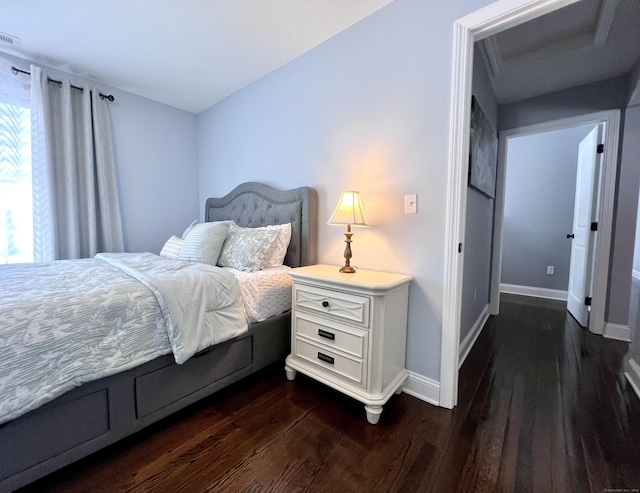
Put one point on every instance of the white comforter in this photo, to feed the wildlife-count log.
(69, 322)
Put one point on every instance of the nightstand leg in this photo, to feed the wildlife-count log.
(291, 373)
(399, 390)
(373, 414)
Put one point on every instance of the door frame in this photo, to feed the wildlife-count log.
(492, 19)
(611, 119)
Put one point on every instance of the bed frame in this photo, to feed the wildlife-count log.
(99, 413)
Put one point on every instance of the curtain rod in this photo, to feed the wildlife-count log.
(59, 82)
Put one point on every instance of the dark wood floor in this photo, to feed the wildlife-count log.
(543, 407)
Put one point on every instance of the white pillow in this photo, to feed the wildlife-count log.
(189, 228)
(203, 242)
(278, 251)
(172, 247)
(245, 248)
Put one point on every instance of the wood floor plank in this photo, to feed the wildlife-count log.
(509, 458)
(543, 406)
(571, 404)
(459, 438)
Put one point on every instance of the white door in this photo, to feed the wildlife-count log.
(582, 237)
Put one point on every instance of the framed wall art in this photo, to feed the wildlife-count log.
(483, 152)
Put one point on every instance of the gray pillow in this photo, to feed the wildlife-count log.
(204, 241)
(245, 248)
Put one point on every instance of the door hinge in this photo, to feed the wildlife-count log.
(459, 247)
(594, 226)
(587, 301)
(600, 149)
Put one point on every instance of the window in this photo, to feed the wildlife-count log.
(16, 203)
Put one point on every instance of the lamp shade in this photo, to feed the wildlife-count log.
(348, 211)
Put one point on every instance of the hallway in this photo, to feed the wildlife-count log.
(558, 412)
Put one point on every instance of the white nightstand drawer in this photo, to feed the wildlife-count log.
(337, 304)
(345, 367)
(349, 340)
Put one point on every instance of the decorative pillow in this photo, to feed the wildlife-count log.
(245, 248)
(278, 251)
(189, 228)
(172, 247)
(204, 241)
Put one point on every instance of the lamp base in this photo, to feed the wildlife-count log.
(346, 268)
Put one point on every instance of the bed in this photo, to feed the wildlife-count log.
(100, 412)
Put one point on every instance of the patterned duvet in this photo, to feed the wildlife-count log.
(73, 321)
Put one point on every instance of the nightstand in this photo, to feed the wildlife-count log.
(349, 331)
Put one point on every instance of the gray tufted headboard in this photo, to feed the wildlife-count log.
(252, 205)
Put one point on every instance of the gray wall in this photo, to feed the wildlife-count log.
(367, 110)
(156, 161)
(626, 215)
(157, 157)
(479, 225)
(636, 252)
(605, 95)
(538, 209)
(631, 147)
(591, 98)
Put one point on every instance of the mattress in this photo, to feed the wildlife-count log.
(265, 292)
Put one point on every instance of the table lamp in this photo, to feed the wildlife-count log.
(349, 212)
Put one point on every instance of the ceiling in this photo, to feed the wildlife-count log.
(588, 41)
(189, 53)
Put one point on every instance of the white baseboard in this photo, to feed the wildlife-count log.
(552, 294)
(633, 375)
(636, 274)
(422, 388)
(617, 332)
(470, 338)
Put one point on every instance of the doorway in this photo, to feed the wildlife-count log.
(611, 121)
(474, 27)
(534, 244)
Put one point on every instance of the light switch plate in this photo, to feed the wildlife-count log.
(411, 203)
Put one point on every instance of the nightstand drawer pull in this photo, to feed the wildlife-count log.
(326, 335)
(325, 304)
(325, 358)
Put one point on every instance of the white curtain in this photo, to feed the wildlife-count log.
(16, 227)
(76, 209)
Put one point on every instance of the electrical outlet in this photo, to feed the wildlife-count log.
(551, 270)
(411, 204)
